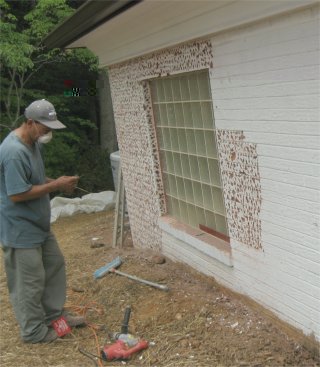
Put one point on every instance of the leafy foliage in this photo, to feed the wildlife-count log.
(44, 17)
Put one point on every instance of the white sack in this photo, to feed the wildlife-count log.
(64, 207)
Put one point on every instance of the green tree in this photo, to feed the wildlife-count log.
(22, 54)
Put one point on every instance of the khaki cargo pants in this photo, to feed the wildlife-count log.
(37, 286)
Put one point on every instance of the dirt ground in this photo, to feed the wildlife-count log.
(196, 323)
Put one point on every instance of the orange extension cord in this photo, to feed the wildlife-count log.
(82, 310)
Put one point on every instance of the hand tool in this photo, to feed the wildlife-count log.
(125, 322)
(106, 268)
(119, 350)
(129, 339)
(147, 282)
(117, 262)
(79, 188)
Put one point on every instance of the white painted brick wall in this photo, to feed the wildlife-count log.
(265, 81)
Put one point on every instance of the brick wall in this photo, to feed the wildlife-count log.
(265, 88)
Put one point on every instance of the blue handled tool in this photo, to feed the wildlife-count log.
(111, 268)
(107, 268)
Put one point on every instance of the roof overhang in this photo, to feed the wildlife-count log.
(89, 16)
(117, 31)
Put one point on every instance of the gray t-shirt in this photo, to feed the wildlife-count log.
(24, 224)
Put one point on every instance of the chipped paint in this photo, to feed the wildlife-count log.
(239, 170)
(139, 149)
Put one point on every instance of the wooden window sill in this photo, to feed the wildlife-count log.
(210, 245)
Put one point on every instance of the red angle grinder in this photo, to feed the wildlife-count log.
(126, 344)
(124, 347)
(120, 350)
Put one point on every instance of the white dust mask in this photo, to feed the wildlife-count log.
(44, 139)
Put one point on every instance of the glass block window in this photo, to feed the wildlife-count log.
(182, 107)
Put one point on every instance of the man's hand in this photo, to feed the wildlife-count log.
(64, 184)
(67, 184)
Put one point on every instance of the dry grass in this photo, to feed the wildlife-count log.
(196, 324)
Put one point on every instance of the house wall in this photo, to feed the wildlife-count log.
(173, 22)
(265, 85)
(265, 82)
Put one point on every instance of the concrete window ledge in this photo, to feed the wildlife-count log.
(212, 246)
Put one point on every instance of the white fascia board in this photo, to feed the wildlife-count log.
(154, 25)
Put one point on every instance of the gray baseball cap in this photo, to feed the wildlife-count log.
(43, 112)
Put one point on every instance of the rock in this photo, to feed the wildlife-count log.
(77, 289)
(97, 245)
(158, 259)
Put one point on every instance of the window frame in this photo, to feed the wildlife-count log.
(162, 150)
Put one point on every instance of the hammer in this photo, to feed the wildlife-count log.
(111, 268)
